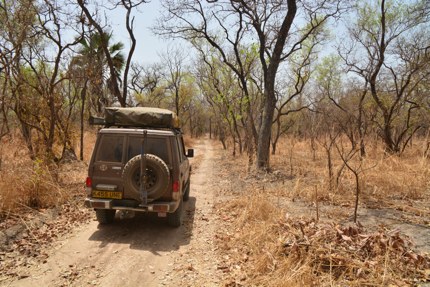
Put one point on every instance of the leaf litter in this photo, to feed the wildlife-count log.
(271, 249)
(36, 232)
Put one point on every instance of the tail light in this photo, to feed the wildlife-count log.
(175, 186)
(88, 182)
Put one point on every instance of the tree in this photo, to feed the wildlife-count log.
(36, 83)
(91, 59)
(4, 129)
(88, 70)
(16, 20)
(347, 105)
(219, 88)
(271, 23)
(387, 45)
(114, 83)
(174, 61)
(147, 85)
(290, 93)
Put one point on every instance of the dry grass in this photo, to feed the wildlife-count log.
(30, 186)
(297, 251)
(273, 238)
(383, 177)
(26, 183)
(89, 142)
(189, 141)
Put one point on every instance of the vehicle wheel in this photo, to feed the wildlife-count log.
(157, 176)
(105, 216)
(175, 219)
(187, 192)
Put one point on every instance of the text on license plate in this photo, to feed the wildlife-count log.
(107, 194)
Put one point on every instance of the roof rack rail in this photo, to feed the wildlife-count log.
(175, 130)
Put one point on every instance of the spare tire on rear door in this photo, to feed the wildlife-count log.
(157, 176)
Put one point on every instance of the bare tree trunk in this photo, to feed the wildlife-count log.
(4, 129)
(329, 168)
(263, 149)
(222, 140)
(51, 133)
(360, 125)
(270, 71)
(291, 157)
(278, 134)
(356, 170)
(313, 147)
(239, 140)
(177, 101)
(339, 174)
(82, 113)
(26, 133)
(357, 193)
(210, 128)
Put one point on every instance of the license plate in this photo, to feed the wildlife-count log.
(107, 194)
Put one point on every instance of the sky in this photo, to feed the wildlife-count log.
(148, 45)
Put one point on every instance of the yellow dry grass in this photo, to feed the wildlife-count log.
(299, 251)
(286, 247)
(31, 183)
(383, 177)
(189, 141)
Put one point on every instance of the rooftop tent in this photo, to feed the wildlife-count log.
(141, 117)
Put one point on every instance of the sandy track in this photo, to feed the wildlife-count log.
(140, 251)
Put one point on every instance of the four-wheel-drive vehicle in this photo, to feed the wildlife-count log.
(139, 163)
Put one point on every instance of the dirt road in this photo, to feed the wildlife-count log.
(140, 251)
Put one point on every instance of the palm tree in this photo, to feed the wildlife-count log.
(92, 60)
(88, 70)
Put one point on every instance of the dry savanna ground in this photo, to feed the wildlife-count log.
(290, 227)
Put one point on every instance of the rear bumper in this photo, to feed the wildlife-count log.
(96, 203)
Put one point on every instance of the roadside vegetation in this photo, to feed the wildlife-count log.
(26, 183)
(290, 228)
(321, 107)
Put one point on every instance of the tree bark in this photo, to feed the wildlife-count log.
(113, 74)
(263, 149)
(270, 71)
(83, 100)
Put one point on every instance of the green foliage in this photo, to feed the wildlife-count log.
(328, 75)
(388, 42)
(91, 60)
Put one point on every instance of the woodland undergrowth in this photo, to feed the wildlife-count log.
(285, 228)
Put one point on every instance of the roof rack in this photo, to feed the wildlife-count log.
(137, 117)
(97, 121)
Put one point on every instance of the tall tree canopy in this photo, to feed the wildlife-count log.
(278, 27)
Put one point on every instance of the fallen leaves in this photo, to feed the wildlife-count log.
(29, 237)
(299, 251)
(349, 252)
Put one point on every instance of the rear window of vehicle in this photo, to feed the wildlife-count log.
(154, 145)
(110, 148)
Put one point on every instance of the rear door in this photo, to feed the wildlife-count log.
(155, 145)
(109, 162)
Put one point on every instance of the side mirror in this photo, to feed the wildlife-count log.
(190, 152)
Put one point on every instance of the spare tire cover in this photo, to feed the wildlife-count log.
(157, 176)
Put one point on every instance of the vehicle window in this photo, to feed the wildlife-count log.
(181, 148)
(154, 145)
(110, 148)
